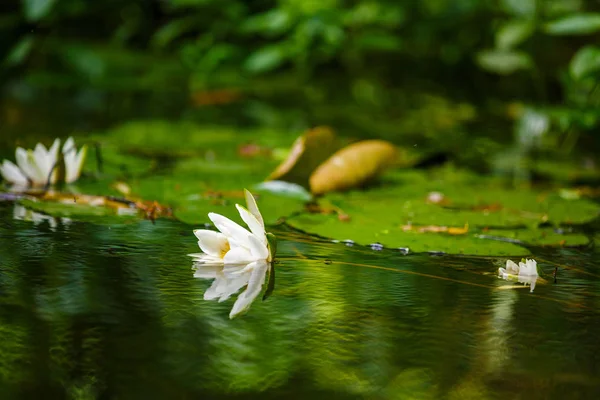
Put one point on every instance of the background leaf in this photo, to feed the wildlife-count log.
(576, 24)
(37, 9)
(503, 62)
(513, 33)
(585, 62)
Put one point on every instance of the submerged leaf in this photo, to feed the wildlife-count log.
(353, 166)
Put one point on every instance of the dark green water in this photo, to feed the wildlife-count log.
(113, 311)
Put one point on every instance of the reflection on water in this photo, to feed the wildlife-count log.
(228, 279)
(112, 311)
(25, 214)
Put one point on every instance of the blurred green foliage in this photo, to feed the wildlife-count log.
(431, 72)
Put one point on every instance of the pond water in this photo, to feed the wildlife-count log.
(112, 310)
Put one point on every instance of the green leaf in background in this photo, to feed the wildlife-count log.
(576, 24)
(20, 51)
(378, 41)
(266, 58)
(513, 33)
(521, 8)
(585, 62)
(37, 9)
(271, 23)
(503, 62)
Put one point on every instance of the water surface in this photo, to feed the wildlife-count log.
(113, 311)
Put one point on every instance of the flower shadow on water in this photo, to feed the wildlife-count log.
(229, 279)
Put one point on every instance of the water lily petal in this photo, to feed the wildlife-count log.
(69, 146)
(255, 284)
(236, 234)
(13, 174)
(233, 286)
(528, 268)
(258, 249)
(255, 226)
(53, 150)
(44, 165)
(207, 271)
(512, 267)
(212, 243)
(253, 207)
(42, 157)
(23, 161)
(238, 255)
(78, 163)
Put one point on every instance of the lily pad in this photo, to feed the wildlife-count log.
(88, 213)
(362, 231)
(466, 205)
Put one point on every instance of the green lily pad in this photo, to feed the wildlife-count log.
(539, 237)
(44, 209)
(362, 231)
(194, 170)
(403, 212)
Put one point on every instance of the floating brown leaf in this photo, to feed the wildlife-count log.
(308, 152)
(353, 166)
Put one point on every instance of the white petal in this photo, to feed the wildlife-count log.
(238, 255)
(78, 164)
(68, 146)
(42, 157)
(22, 158)
(13, 174)
(70, 168)
(528, 268)
(511, 267)
(255, 226)
(258, 249)
(53, 150)
(253, 207)
(212, 243)
(42, 164)
(234, 232)
(207, 271)
(255, 284)
(205, 259)
(214, 291)
(233, 286)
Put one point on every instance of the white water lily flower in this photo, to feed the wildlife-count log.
(230, 279)
(13, 174)
(234, 244)
(525, 272)
(39, 167)
(73, 160)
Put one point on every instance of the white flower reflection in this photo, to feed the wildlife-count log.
(24, 214)
(231, 278)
